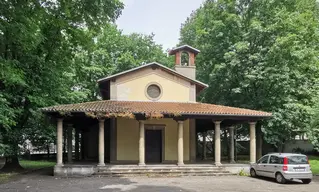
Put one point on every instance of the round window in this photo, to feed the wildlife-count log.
(153, 91)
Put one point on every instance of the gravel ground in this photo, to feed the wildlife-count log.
(42, 182)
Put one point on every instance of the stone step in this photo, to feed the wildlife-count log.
(160, 168)
(159, 174)
(162, 171)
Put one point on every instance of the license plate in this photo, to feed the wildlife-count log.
(299, 168)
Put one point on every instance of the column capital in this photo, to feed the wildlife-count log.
(141, 121)
(252, 123)
(101, 120)
(180, 122)
(231, 127)
(217, 122)
(179, 118)
(60, 119)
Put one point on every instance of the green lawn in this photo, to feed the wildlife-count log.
(36, 164)
(314, 162)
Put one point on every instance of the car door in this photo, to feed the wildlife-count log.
(273, 166)
(261, 165)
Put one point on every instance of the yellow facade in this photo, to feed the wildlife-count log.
(128, 137)
(132, 87)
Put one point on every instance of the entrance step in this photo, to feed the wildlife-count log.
(123, 171)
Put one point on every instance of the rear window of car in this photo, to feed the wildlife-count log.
(297, 160)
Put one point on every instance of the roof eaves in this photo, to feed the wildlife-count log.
(230, 114)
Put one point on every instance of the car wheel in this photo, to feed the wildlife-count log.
(280, 178)
(253, 173)
(306, 181)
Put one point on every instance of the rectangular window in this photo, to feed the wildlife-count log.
(294, 160)
(263, 160)
(274, 160)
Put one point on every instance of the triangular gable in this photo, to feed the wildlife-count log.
(198, 84)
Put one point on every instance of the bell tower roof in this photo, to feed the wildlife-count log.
(184, 48)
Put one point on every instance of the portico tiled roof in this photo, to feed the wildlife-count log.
(164, 108)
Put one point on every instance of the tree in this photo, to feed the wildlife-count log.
(37, 45)
(261, 55)
(113, 52)
(313, 133)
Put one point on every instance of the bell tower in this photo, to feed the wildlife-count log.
(185, 60)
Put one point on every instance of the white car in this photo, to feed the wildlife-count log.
(283, 167)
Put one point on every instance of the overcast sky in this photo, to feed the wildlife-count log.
(163, 18)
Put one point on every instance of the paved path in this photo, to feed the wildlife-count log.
(35, 182)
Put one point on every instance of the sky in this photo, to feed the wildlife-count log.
(163, 18)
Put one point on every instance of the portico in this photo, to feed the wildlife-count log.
(177, 131)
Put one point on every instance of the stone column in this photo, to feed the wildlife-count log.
(77, 144)
(70, 137)
(252, 126)
(232, 145)
(141, 143)
(180, 144)
(192, 140)
(59, 152)
(204, 145)
(217, 143)
(101, 142)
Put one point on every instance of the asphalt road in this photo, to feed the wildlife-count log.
(42, 182)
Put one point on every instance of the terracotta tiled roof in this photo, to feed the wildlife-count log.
(155, 107)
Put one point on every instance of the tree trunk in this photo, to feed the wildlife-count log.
(48, 152)
(12, 165)
(259, 142)
(281, 147)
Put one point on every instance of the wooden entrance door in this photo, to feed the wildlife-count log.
(153, 146)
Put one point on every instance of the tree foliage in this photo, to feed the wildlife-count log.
(53, 52)
(37, 44)
(112, 52)
(261, 55)
(313, 133)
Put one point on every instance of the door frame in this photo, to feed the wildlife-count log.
(160, 127)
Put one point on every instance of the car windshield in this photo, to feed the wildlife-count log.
(297, 159)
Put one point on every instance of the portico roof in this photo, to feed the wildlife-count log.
(165, 108)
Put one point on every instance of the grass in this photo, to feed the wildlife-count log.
(314, 162)
(29, 166)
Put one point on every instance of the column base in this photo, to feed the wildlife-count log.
(217, 164)
(232, 161)
(180, 164)
(141, 164)
(101, 164)
(59, 165)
